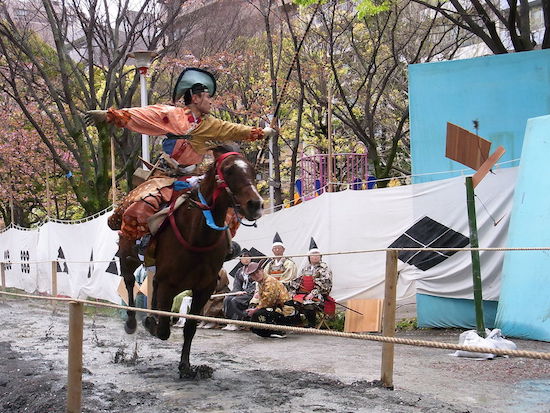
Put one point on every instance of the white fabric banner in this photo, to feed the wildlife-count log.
(339, 222)
(372, 219)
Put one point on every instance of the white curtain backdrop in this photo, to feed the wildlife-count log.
(339, 222)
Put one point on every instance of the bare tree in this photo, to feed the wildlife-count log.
(368, 59)
(494, 24)
(69, 56)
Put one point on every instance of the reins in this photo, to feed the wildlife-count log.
(206, 209)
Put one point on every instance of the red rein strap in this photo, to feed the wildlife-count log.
(222, 185)
(219, 176)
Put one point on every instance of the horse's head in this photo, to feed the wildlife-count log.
(240, 178)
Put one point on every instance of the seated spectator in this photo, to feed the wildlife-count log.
(312, 287)
(281, 268)
(234, 306)
(271, 308)
(214, 306)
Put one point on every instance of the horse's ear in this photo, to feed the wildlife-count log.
(224, 148)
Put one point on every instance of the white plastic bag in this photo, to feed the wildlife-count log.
(500, 341)
(471, 338)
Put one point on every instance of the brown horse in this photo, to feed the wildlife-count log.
(189, 254)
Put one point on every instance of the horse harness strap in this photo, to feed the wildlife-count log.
(205, 207)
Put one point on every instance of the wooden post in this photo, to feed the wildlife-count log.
(74, 379)
(54, 279)
(476, 266)
(3, 278)
(54, 284)
(388, 320)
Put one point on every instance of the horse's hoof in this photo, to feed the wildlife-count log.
(130, 326)
(150, 324)
(196, 373)
(163, 334)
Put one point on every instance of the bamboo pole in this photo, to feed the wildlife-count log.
(113, 170)
(388, 321)
(74, 379)
(476, 266)
(329, 135)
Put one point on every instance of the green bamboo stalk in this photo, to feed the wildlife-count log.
(476, 267)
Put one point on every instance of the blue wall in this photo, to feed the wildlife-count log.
(501, 92)
(524, 304)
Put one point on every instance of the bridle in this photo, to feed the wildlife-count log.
(207, 209)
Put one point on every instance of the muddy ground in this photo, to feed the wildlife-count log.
(302, 373)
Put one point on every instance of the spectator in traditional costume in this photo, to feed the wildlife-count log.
(312, 286)
(190, 131)
(235, 305)
(271, 308)
(281, 268)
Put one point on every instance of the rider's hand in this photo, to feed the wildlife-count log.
(269, 132)
(95, 117)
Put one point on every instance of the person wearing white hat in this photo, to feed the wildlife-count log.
(281, 268)
(313, 285)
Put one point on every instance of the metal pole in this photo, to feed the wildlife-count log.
(144, 138)
(476, 266)
(74, 379)
(388, 321)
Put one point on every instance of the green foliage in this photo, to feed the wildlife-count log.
(369, 8)
(407, 324)
(336, 323)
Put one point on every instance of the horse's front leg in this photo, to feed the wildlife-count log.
(162, 299)
(186, 371)
(128, 264)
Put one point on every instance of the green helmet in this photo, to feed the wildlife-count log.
(196, 80)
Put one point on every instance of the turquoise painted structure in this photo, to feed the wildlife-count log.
(441, 312)
(501, 92)
(524, 305)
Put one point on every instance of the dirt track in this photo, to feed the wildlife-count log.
(300, 373)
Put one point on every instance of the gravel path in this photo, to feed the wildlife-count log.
(301, 373)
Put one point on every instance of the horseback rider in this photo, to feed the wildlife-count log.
(190, 131)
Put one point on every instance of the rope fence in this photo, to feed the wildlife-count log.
(388, 339)
(250, 324)
(324, 254)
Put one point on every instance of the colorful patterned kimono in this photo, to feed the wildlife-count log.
(282, 269)
(313, 279)
(273, 294)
